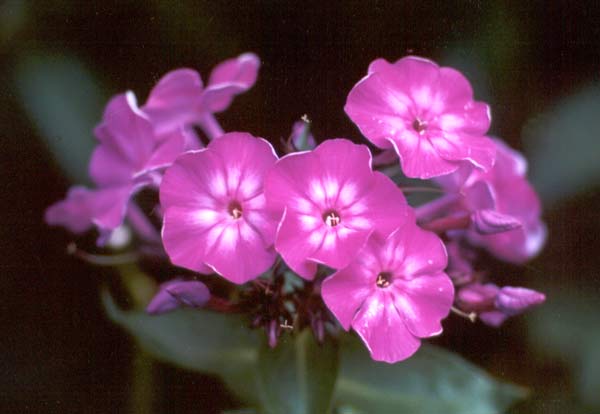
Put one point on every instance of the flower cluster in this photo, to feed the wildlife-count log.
(321, 233)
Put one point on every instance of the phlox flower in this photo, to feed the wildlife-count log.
(504, 207)
(129, 157)
(494, 305)
(393, 293)
(425, 112)
(181, 99)
(330, 201)
(214, 208)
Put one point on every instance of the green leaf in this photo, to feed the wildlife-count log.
(298, 376)
(562, 146)
(64, 101)
(204, 341)
(432, 381)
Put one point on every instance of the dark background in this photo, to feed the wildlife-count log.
(536, 63)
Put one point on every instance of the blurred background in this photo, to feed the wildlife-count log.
(537, 63)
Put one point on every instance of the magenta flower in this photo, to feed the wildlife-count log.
(331, 202)
(393, 293)
(180, 97)
(504, 208)
(425, 112)
(215, 210)
(177, 293)
(494, 305)
(129, 157)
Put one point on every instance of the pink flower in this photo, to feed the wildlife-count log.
(331, 202)
(180, 97)
(425, 112)
(494, 305)
(130, 157)
(393, 293)
(215, 208)
(505, 209)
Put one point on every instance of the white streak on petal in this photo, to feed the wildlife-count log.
(217, 185)
(309, 222)
(229, 238)
(358, 223)
(332, 188)
(316, 191)
(315, 238)
(423, 97)
(205, 217)
(302, 205)
(343, 232)
(233, 178)
(357, 208)
(250, 186)
(347, 194)
(329, 242)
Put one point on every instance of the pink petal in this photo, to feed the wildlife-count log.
(383, 330)
(175, 100)
(493, 318)
(239, 253)
(419, 158)
(187, 239)
(105, 208)
(196, 179)
(177, 293)
(128, 140)
(294, 249)
(478, 297)
(515, 300)
(458, 146)
(378, 65)
(110, 205)
(74, 212)
(248, 159)
(424, 301)
(170, 147)
(339, 246)
(108, 168)
(378, 111)
(230, 78)
(387, 207)
(492, 222)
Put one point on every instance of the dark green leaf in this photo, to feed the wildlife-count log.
(562, 146)
(298, 376)
(64, 102)
(198, 340)
(432, 381)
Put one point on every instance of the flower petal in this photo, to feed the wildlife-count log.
(383, 330)
(175, 100)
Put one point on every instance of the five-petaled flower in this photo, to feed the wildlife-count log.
(130, 156)
(215, 211)
(394, 292)
(425, 112)
(331, 202)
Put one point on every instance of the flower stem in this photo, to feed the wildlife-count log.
(141, 224)
(472, 316)
(429, 210)
(211, 127)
